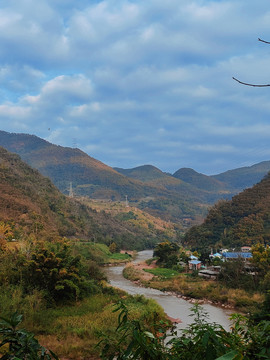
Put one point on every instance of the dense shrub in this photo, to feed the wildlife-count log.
(201, 340)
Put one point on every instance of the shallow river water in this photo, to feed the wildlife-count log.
(173, 306)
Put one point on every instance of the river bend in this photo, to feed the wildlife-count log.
(173, 306)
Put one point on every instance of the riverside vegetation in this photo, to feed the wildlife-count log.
(62, 295)
(190, 285)
(234, 287)
(60, 291)
(138, 340)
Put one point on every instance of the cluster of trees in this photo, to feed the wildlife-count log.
(167, 253)
(51, 269)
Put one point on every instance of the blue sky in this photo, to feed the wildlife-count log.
(140, 82)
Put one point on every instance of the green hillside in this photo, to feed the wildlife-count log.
(200, 181)
(143, 173)
(34, 204)
(244, 177)
(244, 220)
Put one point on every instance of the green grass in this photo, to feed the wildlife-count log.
(163, 272)
(118, 256)
(99, 253)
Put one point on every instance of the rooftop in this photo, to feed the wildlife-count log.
(235, 255)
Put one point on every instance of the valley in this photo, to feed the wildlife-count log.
(54, 246)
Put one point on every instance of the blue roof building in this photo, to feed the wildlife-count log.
(194, 264)
(236, 255)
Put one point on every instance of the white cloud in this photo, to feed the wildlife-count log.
(9, 111)
(139, 81)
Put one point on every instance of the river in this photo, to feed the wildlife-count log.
(173, 306)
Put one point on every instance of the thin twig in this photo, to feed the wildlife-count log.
(254, 85)
(266, 42)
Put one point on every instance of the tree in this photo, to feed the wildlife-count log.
(5, 234)
(112, 247)
(261, 260)
(233, 273)
(167, 252)
(57, 272)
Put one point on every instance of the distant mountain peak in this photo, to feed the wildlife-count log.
(143, 173)
(199, 180)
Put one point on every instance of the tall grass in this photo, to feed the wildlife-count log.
(72, 330)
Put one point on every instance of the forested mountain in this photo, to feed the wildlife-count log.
(168, 197)
(32, 205)
(244, 220)
(143, 173)
(243, 177)
(201, 181)
(154, 177)
(64, 165)
(88, 175)
(183, 197)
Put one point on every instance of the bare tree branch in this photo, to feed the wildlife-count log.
(266, 42)
(254, 85)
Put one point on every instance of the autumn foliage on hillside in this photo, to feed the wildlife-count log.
(32, 206)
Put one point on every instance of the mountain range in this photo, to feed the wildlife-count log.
(182, 197)
(33, 207)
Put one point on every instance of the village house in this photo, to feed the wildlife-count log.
(194, 265)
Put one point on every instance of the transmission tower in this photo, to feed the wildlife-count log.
(126, 201)
(71, 194)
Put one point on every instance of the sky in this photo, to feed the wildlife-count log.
(140, 82)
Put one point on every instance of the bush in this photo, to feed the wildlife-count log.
(21, 343)
(178, 268)
(201, 340)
